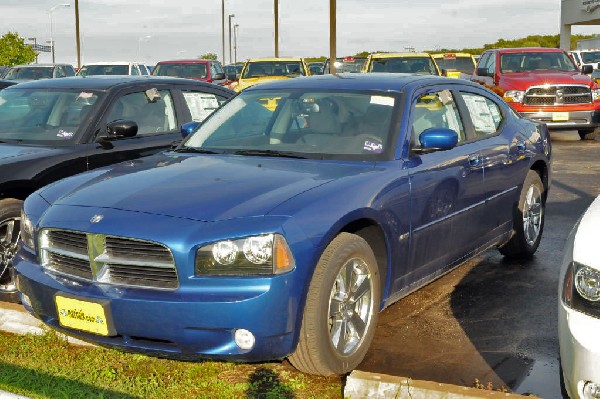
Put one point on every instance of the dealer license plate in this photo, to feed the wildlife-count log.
(82, 315)
(560, 116)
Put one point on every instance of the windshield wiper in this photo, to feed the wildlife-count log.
(269, 153)
(196, 150)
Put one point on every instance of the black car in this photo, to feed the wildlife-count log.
(51, 129)
(39, 71)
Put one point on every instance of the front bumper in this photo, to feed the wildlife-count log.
(579, 349)
(566, 120)
(187, 324)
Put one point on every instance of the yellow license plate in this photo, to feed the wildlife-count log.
(560, 116)
(82, 315)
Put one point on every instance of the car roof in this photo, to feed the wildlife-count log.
(359, 81)
(192, 61)
(394, 55)
(275, 59)
(113, 63)
(442, 55)
(39, 65)
(102, 82)
(529, 50)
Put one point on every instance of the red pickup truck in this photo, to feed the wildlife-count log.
(543, 84)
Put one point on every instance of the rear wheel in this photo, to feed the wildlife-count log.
(588, 134)
(10, 222)
(528, 219)
(341, 309)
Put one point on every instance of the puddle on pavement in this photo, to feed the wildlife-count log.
(542, 380)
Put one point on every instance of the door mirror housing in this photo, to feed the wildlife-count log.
(437, 139)
(219, 76)
(121, 128)
(587, 69)
(189, 128)
(484, 72)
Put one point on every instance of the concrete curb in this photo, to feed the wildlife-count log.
(8, 395)
(362, 384)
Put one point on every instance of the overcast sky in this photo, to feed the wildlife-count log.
(154, 30)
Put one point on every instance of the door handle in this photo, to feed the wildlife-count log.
(474, 160)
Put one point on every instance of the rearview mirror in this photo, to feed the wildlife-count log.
(121, 128)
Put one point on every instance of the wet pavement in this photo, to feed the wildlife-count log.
(493, 321)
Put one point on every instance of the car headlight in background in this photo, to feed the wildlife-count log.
(265, 254)
(514, 96)
(27, 233)
(587, 282)
(595, 94)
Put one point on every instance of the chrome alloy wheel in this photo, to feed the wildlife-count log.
(350, 306)
(9, 237)
(532, 214)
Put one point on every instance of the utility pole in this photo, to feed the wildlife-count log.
(230, 58)
(77, 34)
(223, 28)
(276, 7)
(332, 36)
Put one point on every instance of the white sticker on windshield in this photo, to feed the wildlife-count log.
(382, 100)
(64, 134)
(373, 146)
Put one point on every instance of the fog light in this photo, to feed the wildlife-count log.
(244, 339)
(591, 390)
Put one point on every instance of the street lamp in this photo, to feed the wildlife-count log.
(50, 11)
(235, 36)
(223, 28)
(143, 38)
(230, 16)
(276, 12)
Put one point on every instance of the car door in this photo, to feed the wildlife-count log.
(447, 188)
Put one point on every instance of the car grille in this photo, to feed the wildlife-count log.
(555, 95)
(108, 259)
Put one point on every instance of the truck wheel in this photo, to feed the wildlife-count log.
(342, 304)
(10, 218)
(587, 134)
(528, 219)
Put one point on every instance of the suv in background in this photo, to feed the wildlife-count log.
(260, 70)
(455, 65)
(543, 84)
(210, 71)
(39, 71)
(415, 63)
(113, 68)
(586, 57)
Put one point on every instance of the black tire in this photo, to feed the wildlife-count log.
(528, 219)
(587, 134)
(347, 257)
(10, 218)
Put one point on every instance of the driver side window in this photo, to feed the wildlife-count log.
(436, 110)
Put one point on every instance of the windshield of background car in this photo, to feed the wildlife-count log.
(461, 64)
(44, 116)
(189, 71)
(417, 65)
(261, 69)
(349, 65)
(536, 61)
(303, 124)
(590, 56)
(29, 73)
(88, 70)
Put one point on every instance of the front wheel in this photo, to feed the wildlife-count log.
(528, 219)
(340, 314)
(587, 134)
(10, 221)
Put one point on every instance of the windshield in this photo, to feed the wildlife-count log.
(590, 56)
(536, 61)
(29, 73)
(304, 124)
(189, 71)
(88, 70)
(417, 65)
(347, 65)
(261, 69)
(461, 64)
(43, 115)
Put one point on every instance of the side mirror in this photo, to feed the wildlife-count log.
(189, 128)
(121, 128)
(437, 139)
(219, 76)
(587, 69)
(484, 72)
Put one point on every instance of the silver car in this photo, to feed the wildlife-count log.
(579, 308)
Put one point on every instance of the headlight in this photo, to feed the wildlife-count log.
(514, 96)
(265, 254)
(587, 282)
(27, 233)
(595, 94)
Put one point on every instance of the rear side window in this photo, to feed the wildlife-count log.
(202, 104)
(485, 114)
(152, 113)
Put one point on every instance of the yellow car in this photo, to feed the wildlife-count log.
(416, 63)
(456, 65)
(262, 70)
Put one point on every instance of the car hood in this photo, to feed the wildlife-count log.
(8, 151)
(523, 80)
(200, 187)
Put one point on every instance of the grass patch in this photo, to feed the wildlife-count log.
(46, 366)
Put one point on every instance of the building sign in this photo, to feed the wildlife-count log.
(41, 48)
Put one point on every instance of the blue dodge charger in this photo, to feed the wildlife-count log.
(287, 220)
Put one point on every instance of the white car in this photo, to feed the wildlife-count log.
(113, 68)
(579, 308)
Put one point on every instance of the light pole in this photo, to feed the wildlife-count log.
(223, 28)
(332, 35)
(235, 36)
(147, 37)
(50, 11)
(230, 16)
(276, 10)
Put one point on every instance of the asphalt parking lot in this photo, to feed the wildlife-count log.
(492, 320)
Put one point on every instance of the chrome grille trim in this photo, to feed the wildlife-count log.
(558, 95)
(108, 259)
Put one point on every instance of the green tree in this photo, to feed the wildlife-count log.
(208, 56)
(14, 51)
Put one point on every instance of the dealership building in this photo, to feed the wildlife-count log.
(577, 12)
